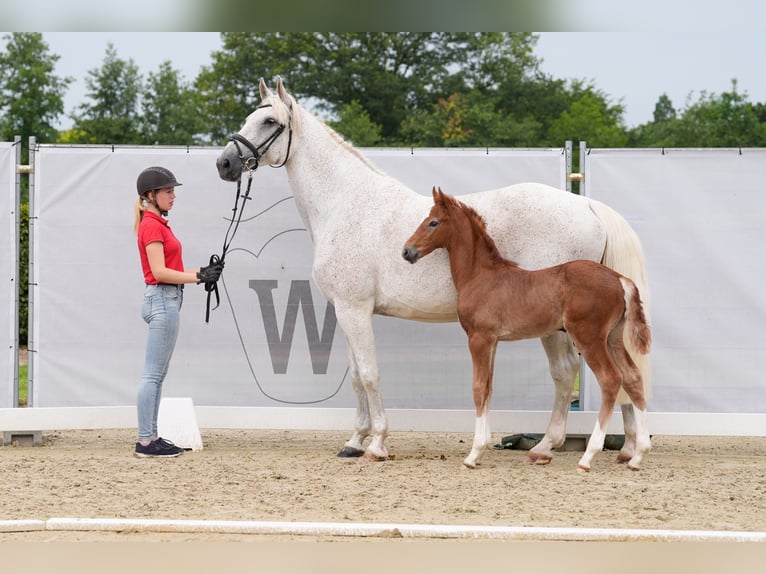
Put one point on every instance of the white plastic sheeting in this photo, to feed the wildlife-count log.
(271, 342)
(8, 257)
(701, 217)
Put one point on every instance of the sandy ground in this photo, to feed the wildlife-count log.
(686, 483)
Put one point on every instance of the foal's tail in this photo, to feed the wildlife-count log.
(624, 254)
(637, 327)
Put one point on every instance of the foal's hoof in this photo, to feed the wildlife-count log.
(633, 467)
(623, 457)
(350, 452)
(581, 468)
(374, 457)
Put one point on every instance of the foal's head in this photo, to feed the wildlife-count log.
(435, 230)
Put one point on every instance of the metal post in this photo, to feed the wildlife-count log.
(15, 271)
(31, 343)
(568, 164)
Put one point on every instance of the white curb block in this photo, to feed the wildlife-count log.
(382, 530)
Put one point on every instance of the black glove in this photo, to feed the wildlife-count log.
(211, 273)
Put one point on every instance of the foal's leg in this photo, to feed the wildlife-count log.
(482, 349)
(628, 449)
(610, 379)
(634, 388)
(564, 363)
(356, 322)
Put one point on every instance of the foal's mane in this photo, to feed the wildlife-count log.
(479, 226)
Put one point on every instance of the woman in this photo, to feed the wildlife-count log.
(165, 276)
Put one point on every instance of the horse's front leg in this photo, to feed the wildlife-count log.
(354, 447)
(564, 363)
(356, 322)
(483, 357)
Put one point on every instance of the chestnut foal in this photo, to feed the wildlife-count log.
(499, 301)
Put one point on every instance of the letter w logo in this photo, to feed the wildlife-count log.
(280, 346)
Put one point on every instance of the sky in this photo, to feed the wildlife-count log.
(631, 68)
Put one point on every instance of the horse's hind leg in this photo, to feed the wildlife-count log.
(482, 349)
(610, 379)
(564, 363)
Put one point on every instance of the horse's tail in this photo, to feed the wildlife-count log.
(624, 254)
(637, 327)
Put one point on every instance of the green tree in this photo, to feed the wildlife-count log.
(355, 124)
(592, 119)
(111, 116)
(714, 120)
(390, 75)
(31, 95)
(721, 120)
(171, 110)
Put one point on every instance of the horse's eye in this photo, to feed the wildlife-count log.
(433, 223)
(269, 121)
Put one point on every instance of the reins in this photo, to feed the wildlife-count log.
(249, 164)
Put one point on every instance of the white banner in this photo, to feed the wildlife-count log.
(701, 217)
(273, 341)
(8, 257)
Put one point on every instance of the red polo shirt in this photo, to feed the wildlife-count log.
(155, 228)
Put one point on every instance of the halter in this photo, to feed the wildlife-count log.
(249, 164)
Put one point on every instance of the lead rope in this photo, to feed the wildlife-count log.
(250, 164)
(211, 287)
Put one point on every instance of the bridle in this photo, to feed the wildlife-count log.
(249, 165)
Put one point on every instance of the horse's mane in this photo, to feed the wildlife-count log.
(479, 225)
(285, 115)
(347, 146)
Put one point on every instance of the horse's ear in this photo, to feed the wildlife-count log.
(263, 89)
(283, 95)
(438, 194)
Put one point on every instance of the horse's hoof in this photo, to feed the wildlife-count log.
(468, 466)
(632, 467)
(350, 452)
(582, 468)
(537, 458)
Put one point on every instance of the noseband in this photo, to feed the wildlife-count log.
(251, 163)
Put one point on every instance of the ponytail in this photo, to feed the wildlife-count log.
(138, 213)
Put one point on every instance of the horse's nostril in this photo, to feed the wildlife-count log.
(410, 254)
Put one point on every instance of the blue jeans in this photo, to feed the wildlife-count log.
(162, 312)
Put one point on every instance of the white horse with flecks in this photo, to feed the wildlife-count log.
(358, 218)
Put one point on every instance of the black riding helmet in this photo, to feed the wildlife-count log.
(155, 177)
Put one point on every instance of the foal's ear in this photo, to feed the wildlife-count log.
(438, 194)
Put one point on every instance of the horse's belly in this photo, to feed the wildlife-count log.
(437, 306)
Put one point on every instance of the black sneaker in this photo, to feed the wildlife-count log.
(156, 448)
(168, 444)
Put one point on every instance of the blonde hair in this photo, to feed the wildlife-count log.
(138, 212)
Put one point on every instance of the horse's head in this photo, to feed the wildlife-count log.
(265, 137)
(433, 232)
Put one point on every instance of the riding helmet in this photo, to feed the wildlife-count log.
(155, 177)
